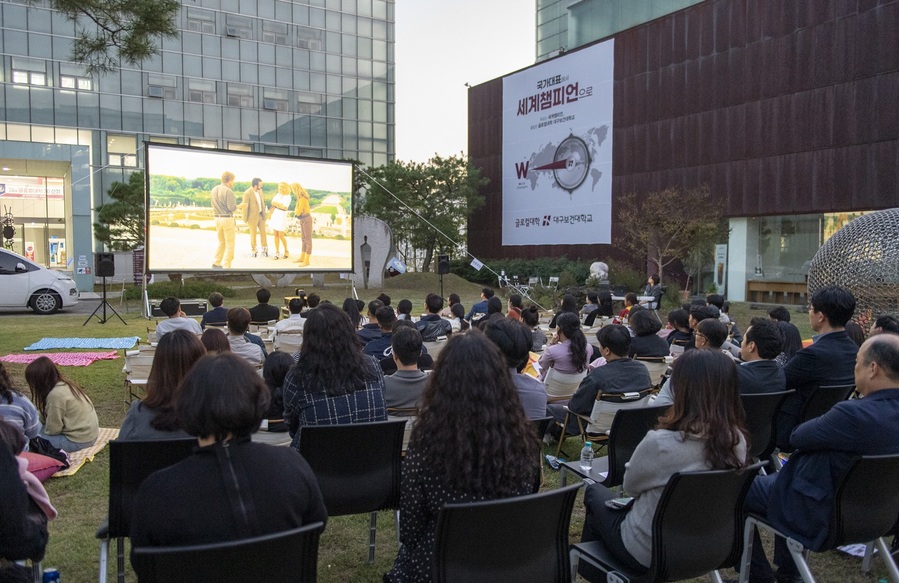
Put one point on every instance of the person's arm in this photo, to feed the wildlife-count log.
(54, 417)
(546, 360)
(21, 536)
(292, 403)
(583, 399)
(666, 395)
(835, 430)
(802, 366)
(230, 201)
(195, 327)
(642, 471)
(31, 423)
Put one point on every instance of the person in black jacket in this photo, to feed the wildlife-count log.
(759, 373)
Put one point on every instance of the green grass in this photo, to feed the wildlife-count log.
(82, 499)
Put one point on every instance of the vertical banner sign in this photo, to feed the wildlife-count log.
(557, 150)
(721, 269)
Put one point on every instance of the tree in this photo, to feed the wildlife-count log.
(440, 195)
(114, 31)
(121, 222)
(670, 224)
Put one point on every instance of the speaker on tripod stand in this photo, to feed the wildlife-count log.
(104, 266)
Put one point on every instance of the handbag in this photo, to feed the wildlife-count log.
(42, 446)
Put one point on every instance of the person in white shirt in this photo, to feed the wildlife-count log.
(294, 323)
(238, 322)
(177, 320)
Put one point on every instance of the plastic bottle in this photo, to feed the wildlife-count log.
(587, 457)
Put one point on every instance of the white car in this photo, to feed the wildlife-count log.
(25, 283)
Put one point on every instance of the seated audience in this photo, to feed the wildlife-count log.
(17, 410)
(432, 326)
(274, 372)
(447, 311)
(380, 347)
(263, 312)
(653, 288)
(41, 508)
(384, 299)
(789, 334)
(855, 332)
(646, 342)
(214, 339)
(531, 318)
(371, 330)
(759, 372)
(457, 318)
(797, 499)
(697, 315)
(293, 323)
(154, 417)
(332, 382)
(569, 305)
(679, 322)
(704, 430)
(231, 488)
(218, 315)
(591, 306)
(175, 319)
(717, 300)
(711, 333)
(70, 421)
(569, 352)
(514, 307)
(312, 302)
(352, 310)
(514, 341)
(479, 310)
(404, 310)
(403, 389)
(630, 300)
(885, 324)
(494, 310)
(388, 365)
(471, 394)
(238, 322)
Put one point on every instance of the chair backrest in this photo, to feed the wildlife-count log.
(130, 463)
(285, 556)
(822, 399)
(698, 523)
(629, 428)
(607, 405)
(761, 411)
(866, 502)
(656, 366)
(137, 366)
(288, 341)
(357, 464)
(541, 425)
(524, 538)
(559, 384)
(434, 347)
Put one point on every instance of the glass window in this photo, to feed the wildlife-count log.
(309, 103)
(239, 147)
(122, 150)
(274, 99)
(162, 140)
(275, 32)
(29, 71)
(201, 91)
(309, 38)
(349, 67)
(348, 46)
(266, 75)
(212, 46)
(317, 61)
(279, 150)
(240, 95)
(203, 143)
(191, 42)
(317, 17)
(334, 85)
(161, 86)
(199, 20)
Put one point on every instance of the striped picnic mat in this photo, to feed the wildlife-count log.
(62, 358)
(57, 343)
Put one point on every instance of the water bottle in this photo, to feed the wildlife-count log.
(587, 457)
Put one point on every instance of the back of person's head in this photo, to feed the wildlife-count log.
(6, 388)
(373, 307)
(616, 338)
(222, 395)
(327, 332)
(715, 300)
(714, 330)
(386, 317)
(274, 370)
(171, 306)
(725, 309)
(569, 324)
(263, 295)
(766, 335)
(679, 318)
(700, 313)
(458, 311)
(779, 313)
(569, 304)
(214, 339)
(792, 340)
(644, 323)
(835, 302)
(530, 316)
(605, 298)
(42, 375)
(238, 321)
(404, 307)
(434, 303)
(887, 324)
(494, 305)
(384, 299)
(406, 343)
(630, 298)
(352, 310)
(592, 298)
(176, 353)
(454, 299)
(12, 439)
(487, 292)
(513, 340)
(216, 299)
(313, 300)
(471, 389)
(515, 301)
(295, 305)
(360, 305)
(855, 332)
(884, 350)
(707, 404)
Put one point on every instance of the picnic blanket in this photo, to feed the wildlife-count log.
(57, 343)
(81, 457)
(62, 358)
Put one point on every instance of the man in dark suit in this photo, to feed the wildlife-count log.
(253, 206)
(828, 361)
(797, 500)
(758, 373)
(263, 312)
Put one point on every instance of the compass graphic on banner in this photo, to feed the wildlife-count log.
(569, 162)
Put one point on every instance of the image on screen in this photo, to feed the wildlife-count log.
(214, 210)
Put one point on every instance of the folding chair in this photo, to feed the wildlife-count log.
(288, 341)
(761, 412)
(657, 366)
(597, 426)
(822, 399)
(434, 347)
(137, 370)
(560, 386)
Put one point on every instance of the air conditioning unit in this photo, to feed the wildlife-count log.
(196, 96)
(232, 31)
(155, 91)
(274, 104)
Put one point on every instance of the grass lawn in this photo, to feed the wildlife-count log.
(82, 499)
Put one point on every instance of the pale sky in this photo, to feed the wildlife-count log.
(442, 45)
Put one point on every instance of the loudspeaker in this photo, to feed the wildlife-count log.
(104, 264)
(443, 264)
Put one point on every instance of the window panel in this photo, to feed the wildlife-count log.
(240, 95)
(201, 91)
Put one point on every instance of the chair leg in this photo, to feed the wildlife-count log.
(104, 559)
(799, 554)
(746, 559)
(398, 542)
(866, 560)
(715, 576)
(372, 529)
(881, 544)
(563, 436)
(120, 559)
(573, 559)
(37, 573)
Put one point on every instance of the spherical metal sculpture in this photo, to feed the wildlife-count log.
(863, 256)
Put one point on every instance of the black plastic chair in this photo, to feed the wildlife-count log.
(821, 399)
(541, 425)
(696, 529)
(358, 468)
(761, 413)
(629, 428)
(865, 506)
(524, 538)
(130, 463)
(290, 556)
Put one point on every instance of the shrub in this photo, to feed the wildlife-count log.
(195, 226)
(175, 225)
(191, 289)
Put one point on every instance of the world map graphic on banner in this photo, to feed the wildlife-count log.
(567, 164)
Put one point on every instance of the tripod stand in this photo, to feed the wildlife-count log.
(103, 304)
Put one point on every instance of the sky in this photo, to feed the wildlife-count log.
(442, 45)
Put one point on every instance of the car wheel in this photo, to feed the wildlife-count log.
(46, 302)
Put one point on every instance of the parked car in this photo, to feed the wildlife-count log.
(25, 283)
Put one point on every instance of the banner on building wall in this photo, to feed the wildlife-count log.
(721, 268)
(557, 150)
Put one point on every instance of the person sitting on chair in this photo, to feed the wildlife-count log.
(514, 340)
(175, 319)
(679, 322)
(710, 335)
(646, 342)
(238, 322)
(263, 312)
(759, 373)
(433, 326)
(885, 324)
(371, 330)
(480, 309)
(218, 315)
(654, 289)
(403, 389)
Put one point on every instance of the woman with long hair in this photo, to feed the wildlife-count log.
(214, 339)
(569, 352)
(17, 410)
(352, 310)
(530, 316)
(304, 213)
(274, 372)
(278, 222)
(155, 417)
(703, 430)
(333, 382)
(70, 421)
(457, 320)
(569, 306)
(471, 441)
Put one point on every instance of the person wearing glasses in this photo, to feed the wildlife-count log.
(710, 334)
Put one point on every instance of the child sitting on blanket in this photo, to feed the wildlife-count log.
(11, 438)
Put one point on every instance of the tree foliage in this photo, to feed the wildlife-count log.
(112, 32)
(120, 223)
(671, 224)
(441, 194)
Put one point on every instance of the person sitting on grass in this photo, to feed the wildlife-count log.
(70, 420)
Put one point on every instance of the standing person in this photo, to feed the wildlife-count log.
(471, 441)
(70, 421)
(224, 205)
(304, 213)
(17, 410)
(254, 215)
(280, 203)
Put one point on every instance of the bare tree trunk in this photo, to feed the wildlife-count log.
(426, 264)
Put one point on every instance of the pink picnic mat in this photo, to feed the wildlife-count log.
(62, 358)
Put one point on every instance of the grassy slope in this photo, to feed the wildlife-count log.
(82, 499)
